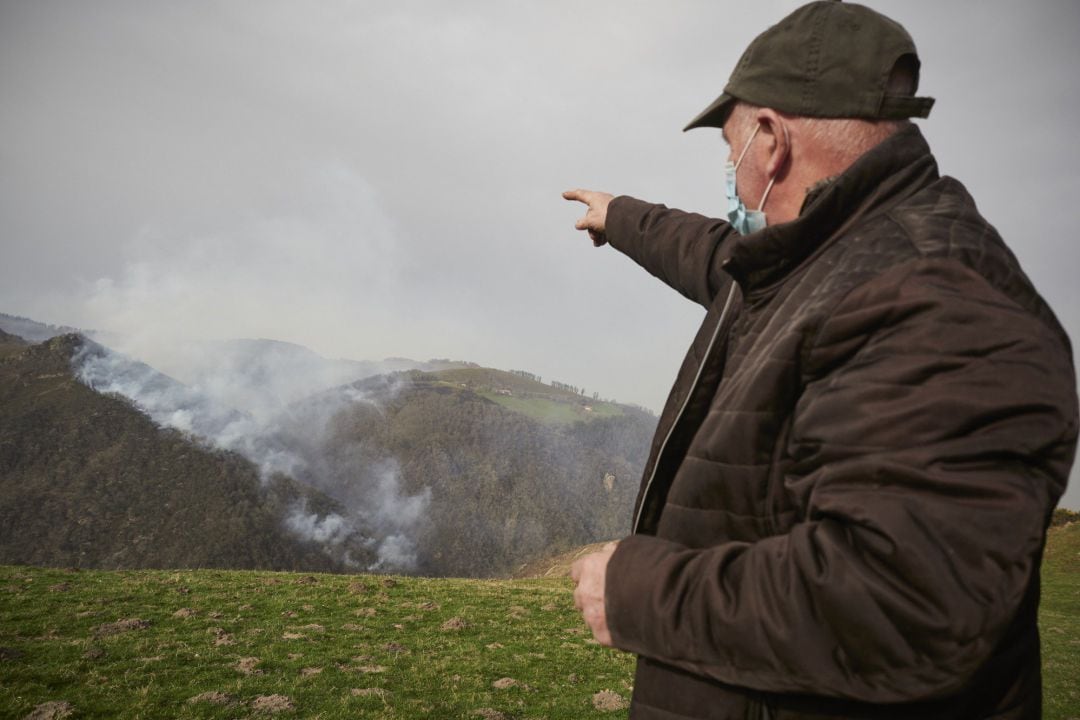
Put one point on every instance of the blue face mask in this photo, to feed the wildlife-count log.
(744, 220)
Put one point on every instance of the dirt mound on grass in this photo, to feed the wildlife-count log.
(214, 697)
(608, 701)
(54, 710)
(455, 623)
(248, 666)
(272, 704)
(121, 626)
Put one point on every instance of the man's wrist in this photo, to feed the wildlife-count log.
(630, 585)
(623, 222)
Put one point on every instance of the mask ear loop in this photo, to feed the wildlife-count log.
(747, 145)
(768, 187)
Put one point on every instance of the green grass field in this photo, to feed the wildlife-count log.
(335, 646)
(215, 644)
(1059, 623)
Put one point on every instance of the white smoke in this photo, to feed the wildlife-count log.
(190, 410)
(331, 529)
(399, 514)
(395, 551)
(274, 441)
(389, 502)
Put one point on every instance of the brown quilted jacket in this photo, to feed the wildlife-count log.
(847, 498)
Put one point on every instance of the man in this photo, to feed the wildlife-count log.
(846, 501)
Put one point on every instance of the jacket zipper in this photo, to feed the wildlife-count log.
(686, 402)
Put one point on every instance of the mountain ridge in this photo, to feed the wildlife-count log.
(429, 472)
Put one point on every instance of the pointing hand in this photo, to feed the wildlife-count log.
(595, 217)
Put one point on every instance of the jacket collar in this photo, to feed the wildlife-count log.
(894, 169)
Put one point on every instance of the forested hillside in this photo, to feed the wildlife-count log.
(87, 480)
(461, 472)
(504, 487)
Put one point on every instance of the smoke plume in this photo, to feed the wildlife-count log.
(280, 438)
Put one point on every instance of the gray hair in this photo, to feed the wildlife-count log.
(845, 139)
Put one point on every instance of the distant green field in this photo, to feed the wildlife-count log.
(491, 378)
(216, 644)
(536, 400)
(555, 412)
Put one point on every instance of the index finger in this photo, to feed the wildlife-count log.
(579, 195)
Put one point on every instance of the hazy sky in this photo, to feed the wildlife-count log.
(373, 179)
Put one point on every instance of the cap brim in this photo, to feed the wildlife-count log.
(714, 115)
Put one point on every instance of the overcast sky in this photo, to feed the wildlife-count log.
(382, 179)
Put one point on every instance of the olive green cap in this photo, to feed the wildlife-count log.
(827, 59)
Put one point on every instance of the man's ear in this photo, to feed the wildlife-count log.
(777, 141)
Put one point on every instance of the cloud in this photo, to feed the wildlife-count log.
(326, 264)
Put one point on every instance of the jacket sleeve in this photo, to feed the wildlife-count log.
(931, 441)
(685, 250)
